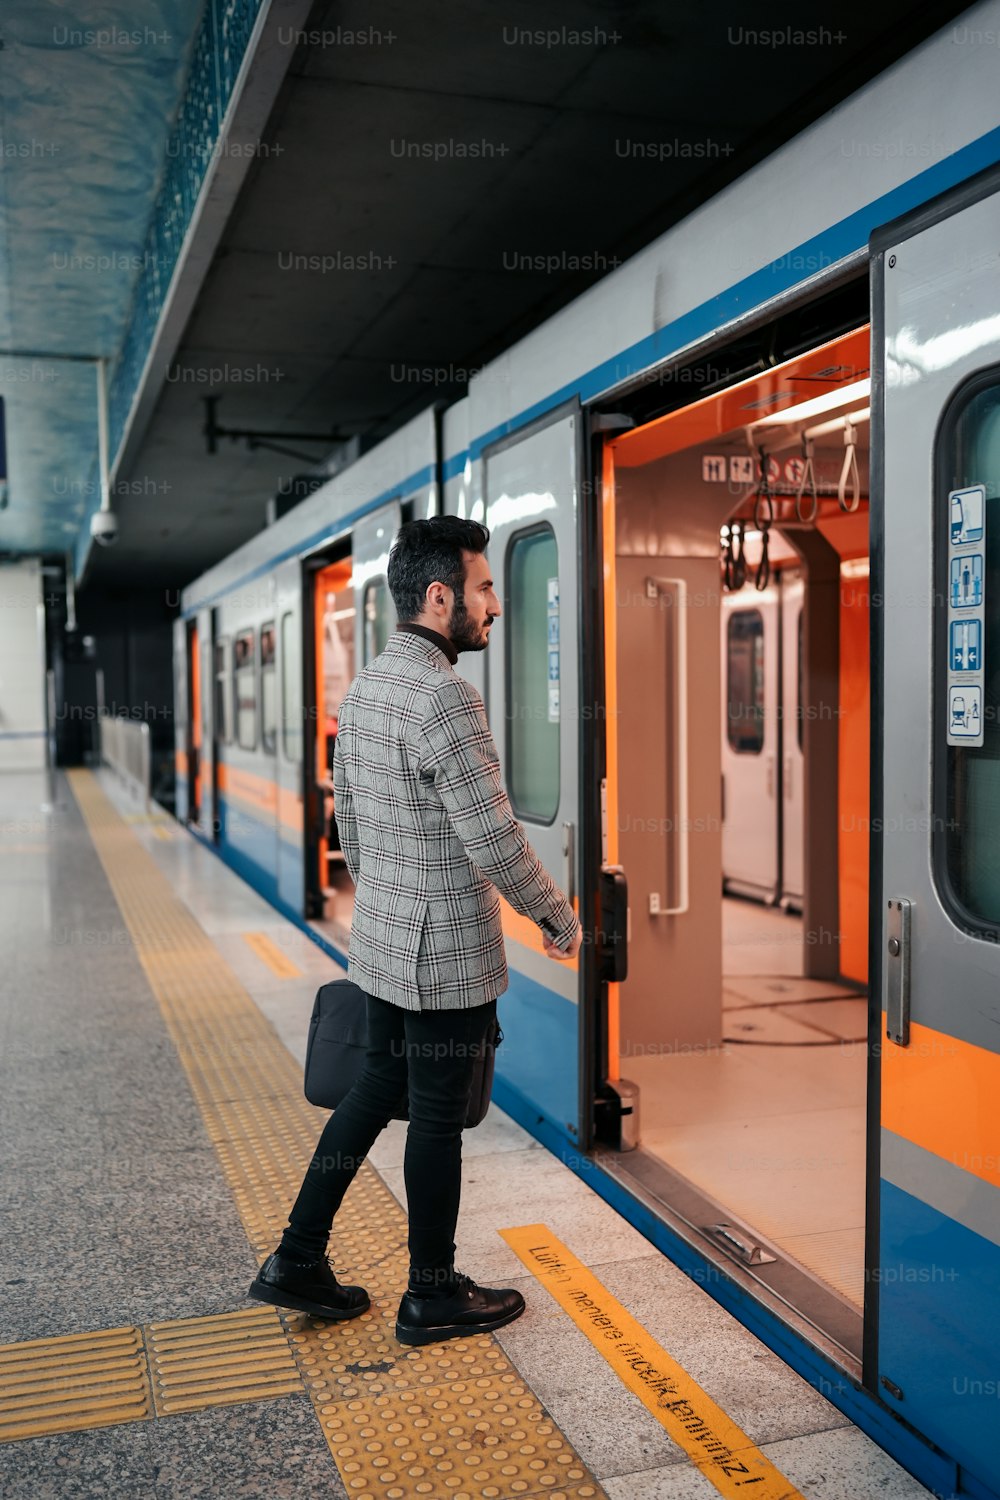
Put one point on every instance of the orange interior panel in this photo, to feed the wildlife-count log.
(611, 721)
(837, 363)
(853, 777)
(331, 579)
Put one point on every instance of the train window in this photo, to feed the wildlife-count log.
(968, 793)
(224, 692)
(268, 689)
(245, 689)
(223, 701)
(745, 681)
(532, 640)
(291, 676)
(378, 616)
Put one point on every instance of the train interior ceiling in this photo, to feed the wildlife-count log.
(741, 818)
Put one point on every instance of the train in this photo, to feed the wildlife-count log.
(739, 500)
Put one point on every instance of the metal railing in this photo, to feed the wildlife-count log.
(124, 746)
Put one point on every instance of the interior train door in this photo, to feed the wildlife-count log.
(792, 762)
(532, 701)
(750, 742)
(289, 707)
(936, 904)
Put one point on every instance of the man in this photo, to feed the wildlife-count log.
(429, 836)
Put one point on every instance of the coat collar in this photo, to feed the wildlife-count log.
(408, 643)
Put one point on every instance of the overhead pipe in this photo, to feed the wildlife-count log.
(103, 523)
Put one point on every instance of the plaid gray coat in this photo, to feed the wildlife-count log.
(429, 836)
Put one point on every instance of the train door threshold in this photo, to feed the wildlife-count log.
(740, 1253)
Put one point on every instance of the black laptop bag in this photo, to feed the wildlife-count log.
(338, 1041)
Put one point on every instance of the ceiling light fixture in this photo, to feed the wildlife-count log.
(829, 401)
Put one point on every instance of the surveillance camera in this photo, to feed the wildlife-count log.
(104, 527)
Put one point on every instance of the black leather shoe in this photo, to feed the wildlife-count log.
(311, 1289)
(469, 1309)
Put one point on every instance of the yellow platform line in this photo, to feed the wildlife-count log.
(269, 953)
(715, 1444)
(452, 1419)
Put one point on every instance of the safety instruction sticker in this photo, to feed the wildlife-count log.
(553, 632)
(966, 614)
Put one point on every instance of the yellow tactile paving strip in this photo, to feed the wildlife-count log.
(132, 1374)
(453, 1419)
(219, 1360)
(270, 954)
(63, 1384)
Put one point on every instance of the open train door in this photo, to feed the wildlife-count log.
(289, 738)
(530, 484)
(934, 1229)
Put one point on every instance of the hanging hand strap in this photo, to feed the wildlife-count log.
(808, 475)
(763, 518)
(849, 471)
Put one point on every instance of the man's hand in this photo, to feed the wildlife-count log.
(563, 953)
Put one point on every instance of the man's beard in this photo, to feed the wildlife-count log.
(465, 634)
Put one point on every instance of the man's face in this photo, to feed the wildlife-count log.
(472, 615)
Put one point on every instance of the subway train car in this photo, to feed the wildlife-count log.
(743, 501)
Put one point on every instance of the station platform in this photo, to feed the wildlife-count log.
(154, 1013)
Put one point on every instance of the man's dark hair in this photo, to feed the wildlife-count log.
(427, 551)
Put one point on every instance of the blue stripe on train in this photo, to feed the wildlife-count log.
(939, 1329)
(538, 1057)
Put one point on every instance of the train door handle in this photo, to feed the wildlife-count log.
(770, 775)
(569, 860)
(613, 926)
(897, 974)
(787, 775)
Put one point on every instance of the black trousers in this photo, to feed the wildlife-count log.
(433, 1054)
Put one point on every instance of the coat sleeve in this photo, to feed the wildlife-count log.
(343, 807)
(457, 753)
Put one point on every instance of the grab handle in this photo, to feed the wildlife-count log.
(678, 858)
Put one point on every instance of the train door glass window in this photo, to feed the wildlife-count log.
(378, 616)
(532, 639)
(245, 689)
(745, 681)
(291, 676)
(268, 689)
(223, 700)
(968, 801)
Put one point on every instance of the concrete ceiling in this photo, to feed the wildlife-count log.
(415, 261)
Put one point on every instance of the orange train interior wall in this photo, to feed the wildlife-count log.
(715, 415)
(330, 580)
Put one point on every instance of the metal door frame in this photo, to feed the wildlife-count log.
(672, 1203)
